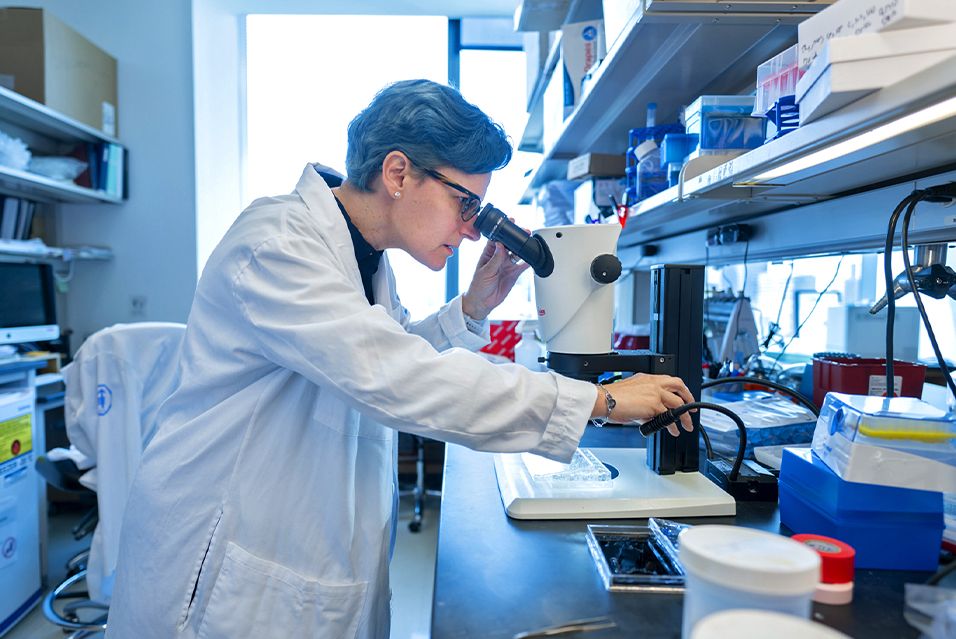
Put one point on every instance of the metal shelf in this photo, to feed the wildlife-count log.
(34, 251)
(670, 53)
(32, 115)
(42, 189)
(730, 191)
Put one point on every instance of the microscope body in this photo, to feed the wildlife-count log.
(576, 310)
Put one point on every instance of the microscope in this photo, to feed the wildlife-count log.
(575, 268)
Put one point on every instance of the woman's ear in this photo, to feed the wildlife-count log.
(396, 171)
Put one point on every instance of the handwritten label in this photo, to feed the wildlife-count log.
(845, 19)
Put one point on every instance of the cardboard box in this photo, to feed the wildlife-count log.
(582, 48)
(537, 45)
(616, 15)
(49, 62)
(855, 17)
(596, 165)
(848, 69)
(553, 108)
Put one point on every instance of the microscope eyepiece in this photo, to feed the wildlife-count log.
(496, 226)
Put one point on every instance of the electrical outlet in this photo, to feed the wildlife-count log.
(137, 305)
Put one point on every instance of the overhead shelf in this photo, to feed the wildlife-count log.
(670, 53)
(32, 115)
(900, 133)
(43, 189)
(36, 250)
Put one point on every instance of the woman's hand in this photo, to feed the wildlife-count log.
(641, 397)
(493, 280)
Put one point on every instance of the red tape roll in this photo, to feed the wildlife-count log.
(836, 557)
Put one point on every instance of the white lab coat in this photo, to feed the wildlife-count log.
(265, 505)
(114, 388)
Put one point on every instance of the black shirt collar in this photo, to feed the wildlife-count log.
(367, 256)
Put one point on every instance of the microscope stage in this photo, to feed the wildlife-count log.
(637, 492)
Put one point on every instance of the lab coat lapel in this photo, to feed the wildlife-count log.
(317, 196)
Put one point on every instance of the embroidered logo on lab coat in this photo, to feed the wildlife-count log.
(104, 399)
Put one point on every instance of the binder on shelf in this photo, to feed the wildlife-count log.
(8, 223)
(16, 218)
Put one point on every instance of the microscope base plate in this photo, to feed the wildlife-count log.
(637, 492)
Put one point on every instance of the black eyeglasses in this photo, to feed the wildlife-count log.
(469, 204)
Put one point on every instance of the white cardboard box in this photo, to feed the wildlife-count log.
(582, 48)
(850, 68)
(616, 15)
(856, 17)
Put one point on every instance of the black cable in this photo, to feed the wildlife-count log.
(775, 326)
(810, 314)
(888, 281)
(743, 289)
(942, 573)
(706, 438)
(800, 397)
(908, 269)
(672, 416)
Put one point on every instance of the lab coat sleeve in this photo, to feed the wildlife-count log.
(446, 327)
(103, 422)
(306, 315)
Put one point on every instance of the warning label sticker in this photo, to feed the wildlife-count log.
(16, 437)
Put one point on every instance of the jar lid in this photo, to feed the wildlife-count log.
(644, 148)
(837, 557)
(748, 559)
(759, 624)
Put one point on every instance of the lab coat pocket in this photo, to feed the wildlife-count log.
(254, 597)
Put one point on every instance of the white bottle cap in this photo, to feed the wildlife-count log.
(644, 148)
(760, 624)
(749, 560)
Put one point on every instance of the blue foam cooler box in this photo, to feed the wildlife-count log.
(890, 528)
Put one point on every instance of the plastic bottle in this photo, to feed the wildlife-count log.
(650, 178)
(529, 348)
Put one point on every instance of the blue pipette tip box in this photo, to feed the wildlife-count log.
(890, 528)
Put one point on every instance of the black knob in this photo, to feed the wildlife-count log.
(605, 268)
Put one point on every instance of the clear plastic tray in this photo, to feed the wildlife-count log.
(638, 558)
(582, 471)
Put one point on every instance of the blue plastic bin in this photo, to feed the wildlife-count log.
(890, 528)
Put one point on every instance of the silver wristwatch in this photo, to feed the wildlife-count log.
(611, 403)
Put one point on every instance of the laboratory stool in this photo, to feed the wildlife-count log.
(420, 492)
(67, 604)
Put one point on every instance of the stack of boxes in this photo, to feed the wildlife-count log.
(874, 479)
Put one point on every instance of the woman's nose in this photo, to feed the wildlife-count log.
(470, 231)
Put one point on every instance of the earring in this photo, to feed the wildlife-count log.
(398, 194)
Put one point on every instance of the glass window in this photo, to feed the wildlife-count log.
(818, 296)
(307, 76)
(495, 82)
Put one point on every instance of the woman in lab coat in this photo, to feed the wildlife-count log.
(265, 505)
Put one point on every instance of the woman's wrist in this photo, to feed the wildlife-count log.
(470, 310)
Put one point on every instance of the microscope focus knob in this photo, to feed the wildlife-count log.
(605, 268)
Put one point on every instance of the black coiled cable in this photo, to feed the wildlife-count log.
(672, 416)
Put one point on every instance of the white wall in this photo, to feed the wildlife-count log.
(153, 235)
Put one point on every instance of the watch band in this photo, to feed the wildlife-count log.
(611, 403)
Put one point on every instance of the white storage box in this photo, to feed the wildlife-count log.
(617, 13)
(855, 17)
(900, 441)
(848, 69)
(582, 49)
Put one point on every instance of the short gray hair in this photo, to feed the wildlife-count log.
(430, 123)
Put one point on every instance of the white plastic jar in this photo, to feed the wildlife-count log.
(733, 567)
(760, 624)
